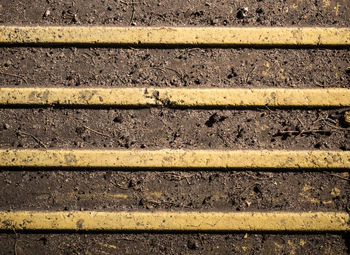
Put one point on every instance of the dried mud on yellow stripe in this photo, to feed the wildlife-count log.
(247, 159)
(307, 36)
(176, 97)
(175, 221)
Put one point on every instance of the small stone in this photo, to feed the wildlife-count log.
(242, 13)
(47, 13)
(347, 118)
(6, 126)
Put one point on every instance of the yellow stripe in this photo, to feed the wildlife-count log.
(176, 158)
(225, 36)
(176, 221)
(176, 97)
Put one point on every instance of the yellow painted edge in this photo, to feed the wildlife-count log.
(312, 36)
(278, 159)
(174, 221)
(205, 97)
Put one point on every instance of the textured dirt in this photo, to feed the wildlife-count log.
(124, 67)
(156, 128)
(170, 190)
(179, 13)
(164, 243)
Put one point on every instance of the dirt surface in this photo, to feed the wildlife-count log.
(157, 128)
(174, 190)
(179, 13)
(123, 67)
(149, 243)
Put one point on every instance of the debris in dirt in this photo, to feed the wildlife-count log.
(34, 137)
(347, 118)
(285, 133)
(14, 75)
(6, 126)
(214, 118)
(136, 185)
(155, 94)
(118, 119)
(96, 132)
(47, 13)
(232, 74)
(80, 130)
(192, 244)
(8, 63)
(242, 13)
(132, 23)
(259, 11)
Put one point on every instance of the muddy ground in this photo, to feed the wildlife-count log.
(157, 128)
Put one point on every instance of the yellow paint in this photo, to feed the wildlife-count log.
(279, 246)
(111, 246)
(150, 195)
(97, 195)
(103, 252)
(175, 221)
(176, 97)
(245, 236)
(279, 159)
(229, 36)
(327, 202)
(307, 187)
(335, 192)
(308, 198)
(326, 3)
(302, 242)
(244, 248)
(292, 247)
(336, 8)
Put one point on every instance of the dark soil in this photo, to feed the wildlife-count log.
(157, 128)
(151, 243)
(179, 13)
(174, 190)
(123, 67)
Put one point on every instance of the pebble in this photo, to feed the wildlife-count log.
(6, 126)
(347, 118)
(47, 13)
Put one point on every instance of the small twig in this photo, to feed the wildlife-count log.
(14, 75)
(95, 131)
(302, 124)
(339, 128)
(34, 137)
(305, 131)
(133, 12)
(338, 176)
(124, 82)
(16, 240)
(177, 73)
(246, 189)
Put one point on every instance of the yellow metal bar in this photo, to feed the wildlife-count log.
(175, 221)
(229, 36)
(176, 97)
(280, 159)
